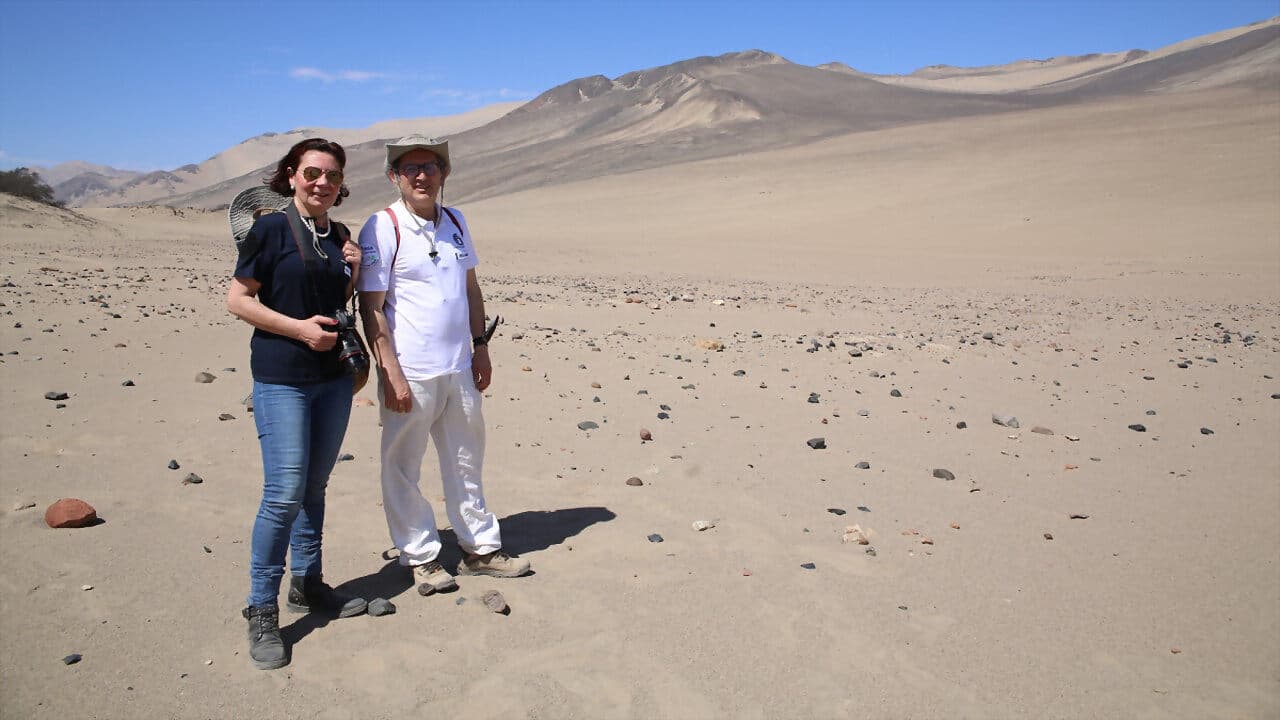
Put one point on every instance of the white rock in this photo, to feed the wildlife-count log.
(701, 525)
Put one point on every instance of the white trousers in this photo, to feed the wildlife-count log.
(448, 409)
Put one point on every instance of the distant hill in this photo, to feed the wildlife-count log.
(99, 186)
(751, 101)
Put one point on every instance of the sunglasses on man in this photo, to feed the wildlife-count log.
(411, 170)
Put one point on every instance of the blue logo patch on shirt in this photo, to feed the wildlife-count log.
(457, 239)
(368, 256)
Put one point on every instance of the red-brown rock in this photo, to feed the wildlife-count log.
(70, 513)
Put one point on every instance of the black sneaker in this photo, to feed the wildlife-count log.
(311, 594)
(266, 647)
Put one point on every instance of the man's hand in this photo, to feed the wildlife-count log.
(481, 368)
(313, 331)
(396, 395)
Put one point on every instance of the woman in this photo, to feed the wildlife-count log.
(301, 396)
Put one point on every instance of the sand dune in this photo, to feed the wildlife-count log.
(1085, 267)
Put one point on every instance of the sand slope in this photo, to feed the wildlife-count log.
(1083, 268)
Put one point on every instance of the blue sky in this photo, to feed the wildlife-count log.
(161, 83)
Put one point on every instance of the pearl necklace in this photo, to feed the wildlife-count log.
(316, 235)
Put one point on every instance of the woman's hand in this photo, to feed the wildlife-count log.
(351, 253)
(313, 331)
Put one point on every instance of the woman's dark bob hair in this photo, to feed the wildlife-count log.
(279, 180)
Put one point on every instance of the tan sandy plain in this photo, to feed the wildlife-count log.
(1097, 244)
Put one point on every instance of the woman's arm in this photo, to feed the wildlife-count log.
(242, 301)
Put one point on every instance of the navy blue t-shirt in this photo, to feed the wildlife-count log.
(269, 255)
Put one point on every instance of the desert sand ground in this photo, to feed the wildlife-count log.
(1083, 269)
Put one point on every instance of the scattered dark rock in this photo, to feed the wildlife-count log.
(836, 511)
(813, 398)
(962, 425)
(70, 513)
(55, 395)
(1048, 536)
(494, 601)
(127, 383)
(1138, 427)
(664, 416)
(192, 479)
(943, 474)
(72, 659)
(226, 416)
(645, 435)
(895, 393)
(1078, 516)
(870, 551)
(173, 465)
(204, 377)
(864, 465)
(1205, 431)
(635, 481)
(863, 508)
(655, 538)
(346, 457)
(817, 443)
(1151, 412)
(809, 566)
(382, 606)
(739, 373)
(587, 425)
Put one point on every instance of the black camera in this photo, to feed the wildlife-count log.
(351, 353)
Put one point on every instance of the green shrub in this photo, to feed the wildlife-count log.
(25, 183)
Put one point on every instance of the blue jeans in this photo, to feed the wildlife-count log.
(300, 428)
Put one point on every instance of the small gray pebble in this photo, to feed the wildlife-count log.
(173, 465)
(1138, 427)
(809, 566)
(895, 393)
(817, 443)
(1205, 431)
(962, 425)
(381, 606)
(870, 551)
(346, 457)
(72, 659)
(836, 511)
(54, 395)
(127, 383)
(943, 474)
(192, 479)
(864, 465)
(204, 377)
(655, 538)
(587, 425)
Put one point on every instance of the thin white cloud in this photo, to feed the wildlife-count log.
(458, 96)
(311, 73)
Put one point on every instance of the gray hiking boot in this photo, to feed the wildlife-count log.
(494, 564)
(266, 647)
(433, 578)
(311, 594)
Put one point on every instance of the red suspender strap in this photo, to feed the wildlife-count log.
(454, 218)
(395, 224)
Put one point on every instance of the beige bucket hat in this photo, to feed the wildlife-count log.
(440, 147)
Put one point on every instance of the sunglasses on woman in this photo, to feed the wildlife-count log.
(312, 174)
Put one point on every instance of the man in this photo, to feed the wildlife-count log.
(423, 314)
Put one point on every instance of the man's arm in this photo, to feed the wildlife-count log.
(391, 381)
(481, 366)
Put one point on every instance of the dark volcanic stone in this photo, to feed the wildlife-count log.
(635, 481)
(655, 538)
(962, 425)
(1205, 431)
(587, 425)
(817, 443)
(895, 393)
(836, 511)
(55, 395)
(943, 474)
(1138, 427)
(808, 566)
(863, 465)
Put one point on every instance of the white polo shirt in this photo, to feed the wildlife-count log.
(426, 302)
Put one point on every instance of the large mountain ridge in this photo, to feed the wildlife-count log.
(706, 107)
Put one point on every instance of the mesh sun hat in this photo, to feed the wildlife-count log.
(241, 212)
(440, 147)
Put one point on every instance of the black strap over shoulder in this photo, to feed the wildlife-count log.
(310, 259)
